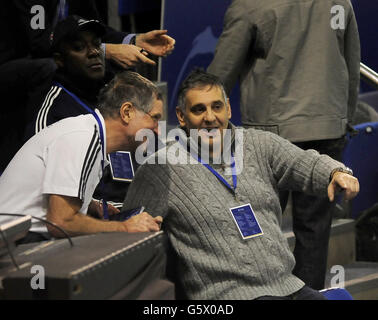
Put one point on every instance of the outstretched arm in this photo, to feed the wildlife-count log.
(127, 55)
(156, 42)
(64, 211)
(234, 46)
(307, 171)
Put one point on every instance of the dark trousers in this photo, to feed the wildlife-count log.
(23, 85)
(306, 293)
(312, 217)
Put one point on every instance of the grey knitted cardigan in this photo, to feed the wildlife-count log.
(214, 262)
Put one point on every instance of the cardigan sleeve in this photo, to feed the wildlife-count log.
(234, 46)
(296, 169)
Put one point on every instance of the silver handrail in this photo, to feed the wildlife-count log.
(369, 75)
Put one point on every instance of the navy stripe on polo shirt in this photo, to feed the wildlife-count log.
(41, 121)
(90, 158)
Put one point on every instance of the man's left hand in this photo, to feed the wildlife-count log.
(156, 42)
(343, 182)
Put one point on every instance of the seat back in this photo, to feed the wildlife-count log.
(361, 155)
(336, 294)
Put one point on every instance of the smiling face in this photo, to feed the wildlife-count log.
(207, 111)
(82, 57)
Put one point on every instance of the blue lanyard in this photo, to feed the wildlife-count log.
(215, 173)
(220, 178)
(93, 113)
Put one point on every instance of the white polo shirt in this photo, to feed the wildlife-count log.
(63, 159)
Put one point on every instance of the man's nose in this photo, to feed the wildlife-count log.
(156, 129)
(93, 51)
(209, 116)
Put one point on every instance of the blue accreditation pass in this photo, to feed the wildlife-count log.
(246, 221)
(121, 166)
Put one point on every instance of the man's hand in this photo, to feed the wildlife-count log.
(143, 222)
(127, 55)
(64, 212)
(343, 182)
(156, 42)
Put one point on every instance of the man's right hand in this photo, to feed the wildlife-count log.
(126, 55)
(143, 222)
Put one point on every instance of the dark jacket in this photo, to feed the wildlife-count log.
(298, 76)
(58, 104)
(19, 40)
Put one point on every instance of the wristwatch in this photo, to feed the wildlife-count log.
(341, 169)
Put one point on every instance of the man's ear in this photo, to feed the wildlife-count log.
(180, 116)
(229, 109)
(127, 112)
(58, 58)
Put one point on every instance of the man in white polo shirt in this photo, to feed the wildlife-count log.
(55, 173)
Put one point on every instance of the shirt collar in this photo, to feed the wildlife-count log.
(102, 121)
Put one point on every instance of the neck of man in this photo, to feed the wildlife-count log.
(115, 135)
(84, 88)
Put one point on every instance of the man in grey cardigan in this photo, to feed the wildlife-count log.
(223, 217)
(298, 63)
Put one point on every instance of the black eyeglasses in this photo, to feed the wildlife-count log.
(156, 117)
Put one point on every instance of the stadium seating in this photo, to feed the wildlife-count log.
(336, 294)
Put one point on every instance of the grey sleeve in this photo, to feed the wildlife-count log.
(352, 54)
(234, 45)
(149, 189)
(297, 169)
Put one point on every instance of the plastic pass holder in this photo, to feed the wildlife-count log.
(121, 166)
(246, 221)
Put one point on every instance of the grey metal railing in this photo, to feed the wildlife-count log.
(369, 75)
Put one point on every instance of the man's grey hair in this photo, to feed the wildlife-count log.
(127, 86)
(198, 79)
